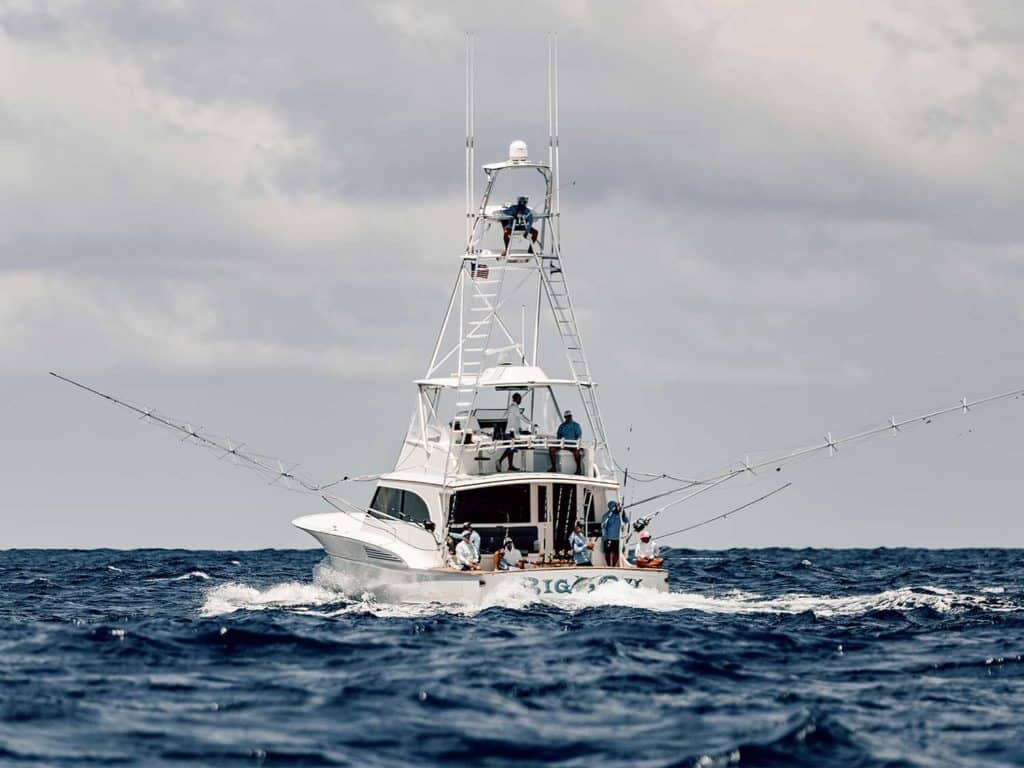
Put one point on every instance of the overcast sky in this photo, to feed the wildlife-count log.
(779, 219)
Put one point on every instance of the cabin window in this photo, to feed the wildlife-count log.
(495, 505)
(525, 538)
(399, 503)
(414, 508)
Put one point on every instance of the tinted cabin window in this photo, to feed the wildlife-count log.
(492, 506)
(404, 505)
(524, 538)
(414, 508)
(388, 501)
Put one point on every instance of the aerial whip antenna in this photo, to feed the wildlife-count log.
(724, 515)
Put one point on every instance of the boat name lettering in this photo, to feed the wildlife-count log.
(579, 584)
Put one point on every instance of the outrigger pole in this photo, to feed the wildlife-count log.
(276, 469)
(829, 443)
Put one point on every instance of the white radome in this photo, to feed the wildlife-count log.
(517, 152)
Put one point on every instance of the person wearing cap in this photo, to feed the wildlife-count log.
(611, 532)
(518, 217)
(579, 546)
(567, 430)
(646, 555)
(508, 557)
(465, 556)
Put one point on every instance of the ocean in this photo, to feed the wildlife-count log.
(767, 657)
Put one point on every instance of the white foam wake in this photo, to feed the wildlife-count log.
(736, 602)
(330, 594)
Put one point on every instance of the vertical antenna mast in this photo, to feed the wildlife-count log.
(470, 149)
(551, 116)
(556, 164)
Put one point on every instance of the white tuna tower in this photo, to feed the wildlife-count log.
(508, 302)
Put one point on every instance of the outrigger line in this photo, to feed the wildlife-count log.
(724, 515)
(273, 468)
(829, 443)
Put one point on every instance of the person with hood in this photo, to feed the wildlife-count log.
(611, 532)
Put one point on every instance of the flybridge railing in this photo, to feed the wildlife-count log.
(470, 457)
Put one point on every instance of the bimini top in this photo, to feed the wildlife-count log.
(499, 377)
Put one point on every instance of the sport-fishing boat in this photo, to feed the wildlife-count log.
(486, 365)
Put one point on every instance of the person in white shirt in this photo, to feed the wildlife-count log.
(515, 425)
(508, 557)
(465, 556)
(474, 539)
(646, 555)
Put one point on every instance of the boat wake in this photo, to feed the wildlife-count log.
(330, 594)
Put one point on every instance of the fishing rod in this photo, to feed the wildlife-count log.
(270, 467)
(831, 444)
(724, 515)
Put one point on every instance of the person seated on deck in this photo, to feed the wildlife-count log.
(508, 557)
(513, 428)
(646, 555)
(567, 430)
(580, 546)
(518, 217)
(466, 557)
(611, 532)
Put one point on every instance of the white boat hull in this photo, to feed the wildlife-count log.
(476, 587)
(373, 567)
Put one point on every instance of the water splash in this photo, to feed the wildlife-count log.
(333, 591)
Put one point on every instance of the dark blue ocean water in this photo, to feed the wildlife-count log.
(756, 658)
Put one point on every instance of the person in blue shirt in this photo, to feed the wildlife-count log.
(611, 532)
(580, 546)
(567, 430)
(518, 217)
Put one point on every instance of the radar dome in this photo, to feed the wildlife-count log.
(517, 151)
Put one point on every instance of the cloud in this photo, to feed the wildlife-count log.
(49, 320)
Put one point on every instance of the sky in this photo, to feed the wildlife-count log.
(778, 219)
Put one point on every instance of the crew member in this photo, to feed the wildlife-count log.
(508, 557)
(518, 217)
(465, 556)
(474, 539)
(646, 555)
(611, 532)
(580, 546)
(513, 428)
(567, 430)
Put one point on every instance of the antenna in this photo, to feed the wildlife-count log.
(556, 171)
(470, 148)
(551, 106)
